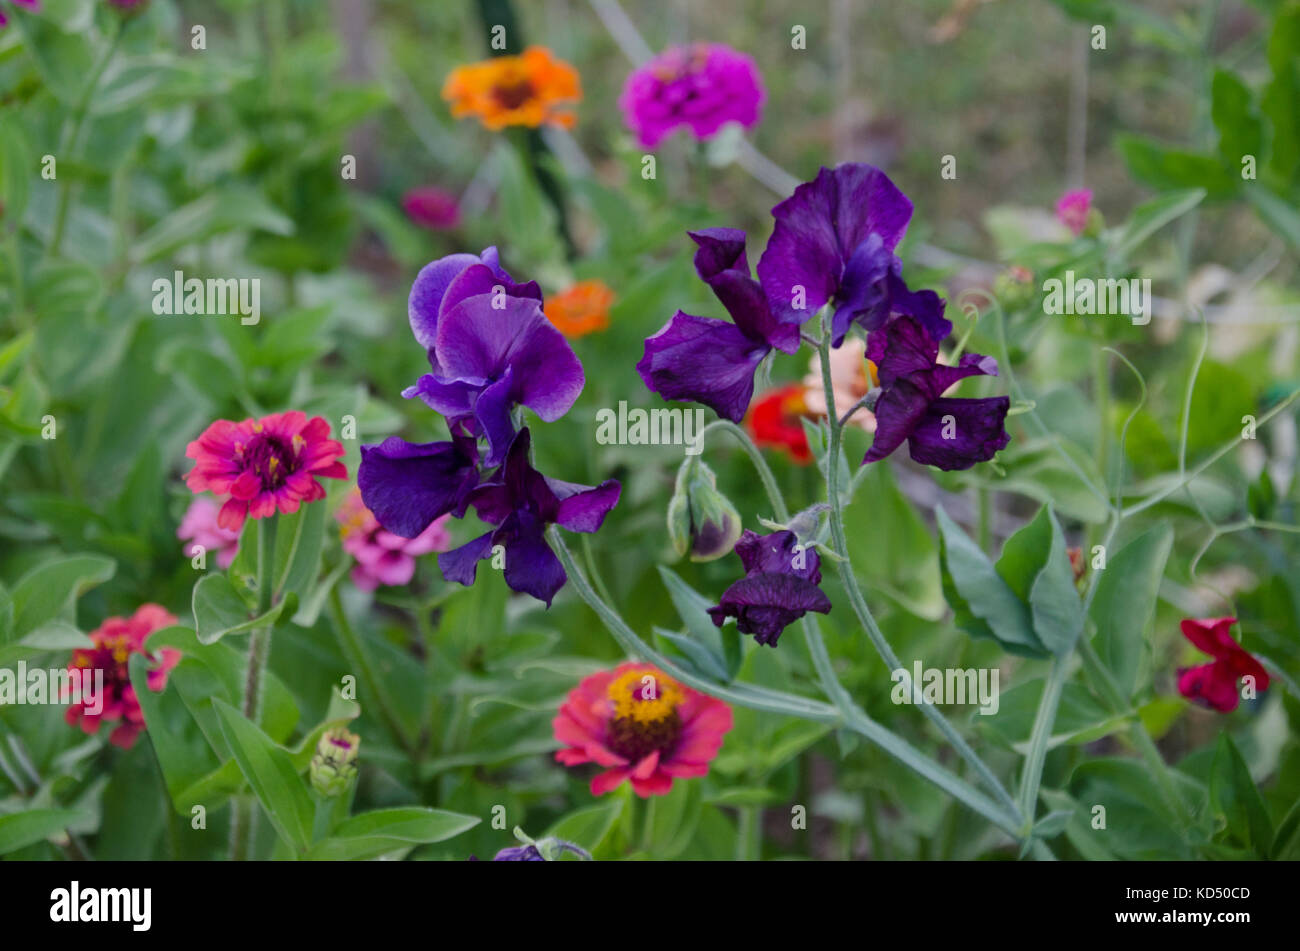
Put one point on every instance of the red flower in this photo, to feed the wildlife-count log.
(115, 641)
(1214, 685)
(774, 420)
(643, 726)
(264, 464)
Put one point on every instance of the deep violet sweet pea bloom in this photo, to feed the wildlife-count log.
(945, 432)
(1214, 685)
(701, 87)
(520, 502)
(779, 587)
(711, 361)
(494, 353)
(444, 283)
(408, 486)
(834, 243)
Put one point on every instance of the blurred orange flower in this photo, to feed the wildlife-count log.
(529, 90)
(774, 420)
(580, 310)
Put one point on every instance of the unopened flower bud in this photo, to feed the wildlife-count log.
(335, 763)
(701, 520)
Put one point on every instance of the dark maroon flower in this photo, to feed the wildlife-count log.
(710, 361)
(779, 587)
(1214, 685)
(520, 502)
(834, 243)
(947, 433)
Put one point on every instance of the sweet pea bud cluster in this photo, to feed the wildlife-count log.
(701, 520)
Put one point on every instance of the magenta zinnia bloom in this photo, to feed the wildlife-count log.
(264, 464)
(115, 641)
(199, 527)
(431, 208)
(382, 557)
(702, 87)
(1072, 209)
(1214, 685)
(641, 725)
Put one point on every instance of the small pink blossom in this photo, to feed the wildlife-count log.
(431, 208)
(382, 557)
(1073, 208)
(200, 528)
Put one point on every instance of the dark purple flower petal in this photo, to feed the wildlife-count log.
(531, 566)
(957, 433)
(721, 263)
(699, 359)
(819, 228)
(461, 564)
(898, 411)
(901, 349)
(583, 508)
(408, 485)
(479, 279)
(779, 587)
(427, 292)
(776, 553)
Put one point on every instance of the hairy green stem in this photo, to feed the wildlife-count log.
(354, 651)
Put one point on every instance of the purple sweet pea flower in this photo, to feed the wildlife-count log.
(711, 361)
(409, 485)
(702, 87)
(779, 587)
(944, 432)
(834, 243)
(443, 283)
(521, 503)
(492, 352)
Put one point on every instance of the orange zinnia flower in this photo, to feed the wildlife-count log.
(515, 90)
(580, 310)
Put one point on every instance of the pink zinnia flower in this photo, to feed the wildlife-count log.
(382, 557)
(264, 464)
(1072, 209)
(199, 526)
(702, 87)
(28, 4)
(1214, 685)
(643, 726)
(115, 641)
(431, 208)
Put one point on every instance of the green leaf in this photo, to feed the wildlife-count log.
(693, 609)
(1163, 167)
(271, 775)
(1150, 216)
(63, 58)
(1054, 600)
(53, 635)
(17, 165)
(1241, 132)
(1025, 553)
(1052, 824)
(184, 755)
(1234, 795)
(386, 830)
(1125, 603)
(219, 610)
(298, 541)
(983, 604)
(21, 829)
(589, 827)
(213, 214)
(50, 590)
(1286, 843)
(696, 654)
(1282, 93)
(1278, 213)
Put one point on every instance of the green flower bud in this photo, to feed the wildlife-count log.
(335, 763)
(701, 520)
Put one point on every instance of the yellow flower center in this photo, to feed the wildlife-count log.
(645, 713)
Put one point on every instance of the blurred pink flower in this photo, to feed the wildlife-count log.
(703, 87)
(27, 4)
(1072, 209)
(382, 557)
(199, 527)
(431, 208)
(115, 641)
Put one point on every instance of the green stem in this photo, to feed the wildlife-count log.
(259, 649)
(858, 602)
(755, 454)
(72, 130)
(350, 644)
(1043, 722)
